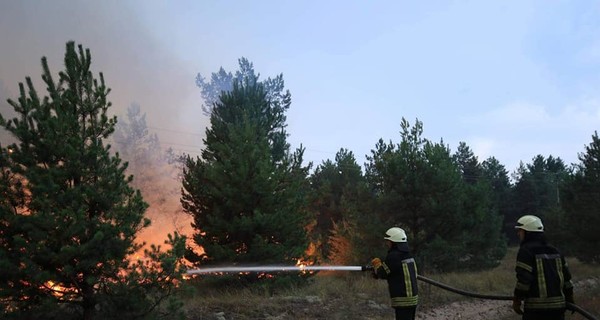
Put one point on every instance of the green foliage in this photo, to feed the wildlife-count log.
(497, 176)
(581, 205)
(537, 187)
(151, 285)
(69, 217)
(537, 191)
(247, 193)
(339, 199)
(437, 198)
(480, 214)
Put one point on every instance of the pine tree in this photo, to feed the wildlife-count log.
(418, 188)
(339, 199)
(247, 193)
(537, 186)
(537, 191)
(441, 200)
(497, 176)
(582, 203)
(222, 81)
(480, 214)
(69, 217)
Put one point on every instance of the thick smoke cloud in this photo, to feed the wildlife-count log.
(136, 67)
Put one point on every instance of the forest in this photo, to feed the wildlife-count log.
(78, 184)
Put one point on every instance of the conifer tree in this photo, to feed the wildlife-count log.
(496, 175)
(222, 81)
(67, 213)
(247, 193)
(419, 186)
(582, 203)
(480, 214)
(339, 201)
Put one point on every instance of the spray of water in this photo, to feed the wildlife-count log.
(275, 269)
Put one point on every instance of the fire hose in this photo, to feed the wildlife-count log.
(570, 306)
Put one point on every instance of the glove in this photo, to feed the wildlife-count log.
(376, 263)
(517, 306)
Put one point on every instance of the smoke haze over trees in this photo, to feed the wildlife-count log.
(156, 175)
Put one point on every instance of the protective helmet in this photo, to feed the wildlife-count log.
(395, 234)
(530, 223)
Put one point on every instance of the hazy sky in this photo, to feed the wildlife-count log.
(512, 79)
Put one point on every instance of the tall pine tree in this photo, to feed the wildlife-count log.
(440, 200)
(480, 215)
(418, 187)
(247, 193)
(67, 213)
(339, 199)
(497, 176)
(582, 205)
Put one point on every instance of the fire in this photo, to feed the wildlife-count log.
(301, 264)
(59, 290)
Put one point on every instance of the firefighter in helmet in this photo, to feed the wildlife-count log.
(543, 277)
(400, 271)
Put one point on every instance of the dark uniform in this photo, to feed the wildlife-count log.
(400, 271)
(543, 279)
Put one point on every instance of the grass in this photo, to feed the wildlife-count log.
(356, 295)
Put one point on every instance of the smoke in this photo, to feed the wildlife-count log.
(135, 65)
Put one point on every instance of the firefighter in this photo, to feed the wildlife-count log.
(543, 277)
(400, 271)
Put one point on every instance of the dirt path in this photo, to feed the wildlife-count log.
(474, 309)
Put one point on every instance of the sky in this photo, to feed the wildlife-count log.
(511, 79)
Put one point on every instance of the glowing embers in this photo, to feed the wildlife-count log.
(59, 291)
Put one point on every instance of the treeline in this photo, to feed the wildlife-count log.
(70, 213)
(253, 200)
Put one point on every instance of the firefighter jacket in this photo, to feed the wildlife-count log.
(543, 277)
(400, 271)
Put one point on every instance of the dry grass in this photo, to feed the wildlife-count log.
(498, 281)
(354, 295)
(333, 296)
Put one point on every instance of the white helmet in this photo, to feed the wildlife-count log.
(530, 223)
(395, 234)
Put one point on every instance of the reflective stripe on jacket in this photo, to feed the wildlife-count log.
(400, 271)
(543, 277)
